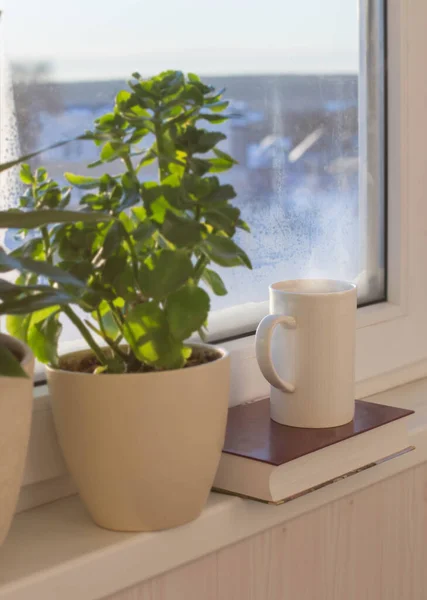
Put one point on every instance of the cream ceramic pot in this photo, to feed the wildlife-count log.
(143, 448)
(16, 402)
(306, 350)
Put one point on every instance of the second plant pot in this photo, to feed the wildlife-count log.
(16, 403)
(143, 448)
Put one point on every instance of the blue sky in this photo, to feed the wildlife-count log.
(99, 39)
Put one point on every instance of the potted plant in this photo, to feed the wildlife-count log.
(141, 414)
(16, 358)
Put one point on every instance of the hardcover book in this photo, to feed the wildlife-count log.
(267, 461)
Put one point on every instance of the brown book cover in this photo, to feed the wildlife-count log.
(252, 434)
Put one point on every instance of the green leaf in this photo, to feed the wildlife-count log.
(112, 269)
(208, 140)
(79, 268)
(113, 150)
(36, 302)
(130, 187)
(122, 98)
(82, 182)
(113, 239)
(223, 162)
(144, 231)
(19, 219)
(220, 194)
(139, 214)
(217, 165)
(222, 217)
(216, 119)
(41, 175)
(124, 285)
(41, 315)
(200, 166)
(216, 97)
(214, 281)
(43, 339)
(182, 117)
(147, 334)
(126, 222)
(192, 95)
(12, 163)
(170, 269)
(108, 152)
(9, 365)
(159, 208)
(243, 225)
(45, 269)
(10, 290)
(181, 231)
(17, 325)
(224, 252)
(187, 310)
(219, 106)
(111, 123)
(187, 351)
(26, 175)
(108, 323)
(147, 159)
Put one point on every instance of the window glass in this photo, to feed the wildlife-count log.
(292, 71)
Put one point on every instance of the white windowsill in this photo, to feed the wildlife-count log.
(55, 551)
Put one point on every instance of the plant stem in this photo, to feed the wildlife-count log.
(160, 148)
(46, 242)
(133, 256)
(118, 318)
(199, 268)
(108, 339)
(132, 361)
(117, 315)
(86, 334)
(129, 165)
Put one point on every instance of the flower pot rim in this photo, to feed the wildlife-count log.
(12, 343)
(223, 355)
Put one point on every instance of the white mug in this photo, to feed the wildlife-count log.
(310, 369)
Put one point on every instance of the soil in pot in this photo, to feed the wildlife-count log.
(88, 363)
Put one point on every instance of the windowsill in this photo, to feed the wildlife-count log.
(55, 551)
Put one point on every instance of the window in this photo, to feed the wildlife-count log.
(391, 344)
(307, 132)
(329, 176)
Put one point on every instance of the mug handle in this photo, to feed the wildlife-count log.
(263, 337)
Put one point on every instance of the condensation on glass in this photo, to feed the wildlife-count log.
(306, 84)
